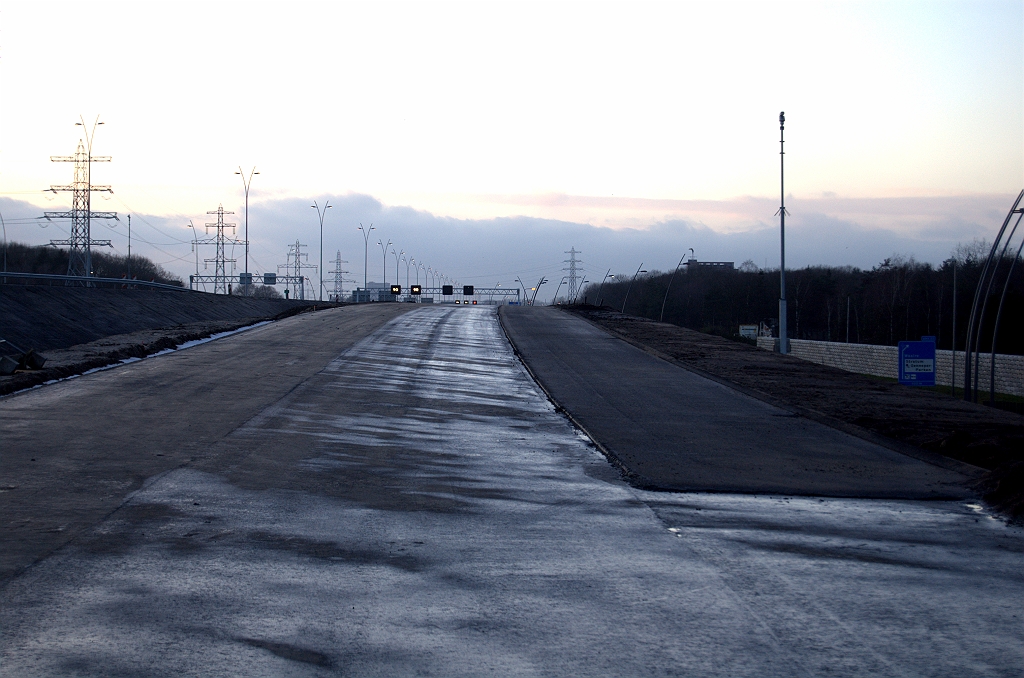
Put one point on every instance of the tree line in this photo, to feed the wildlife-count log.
(899, 299)
(23, 258)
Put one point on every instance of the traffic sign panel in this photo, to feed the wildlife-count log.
(917, 363)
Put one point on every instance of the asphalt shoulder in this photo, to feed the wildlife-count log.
(670, 427)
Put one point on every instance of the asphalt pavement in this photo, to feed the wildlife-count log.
(673, 429)
(416, 506)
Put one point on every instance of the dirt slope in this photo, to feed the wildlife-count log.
(46, 318)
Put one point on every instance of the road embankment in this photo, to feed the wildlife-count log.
(46, 318)
(78, 329)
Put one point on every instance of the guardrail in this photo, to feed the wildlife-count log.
(90, 279)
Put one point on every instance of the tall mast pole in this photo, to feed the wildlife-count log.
(246, 183)
(783, 336)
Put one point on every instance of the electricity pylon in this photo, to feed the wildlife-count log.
(572, 271)
(339, 279)
(220, 240)
(293, 269)
(81, 215)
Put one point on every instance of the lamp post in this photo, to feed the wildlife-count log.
(407, 261)
(320, 213)
(384, 254)
(366, 250)
(578, 289)
(129, 247)
(536, 289)
(638, 272)
(246, 183)
(398, 255)
(195, 247)
(561, 282)
(601, 286)
(523, 285)
(676, 270)
(5, 244)
(783, 337)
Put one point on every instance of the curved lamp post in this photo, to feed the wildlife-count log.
(536, 289)
(526, 295)
(398, 255)
(246, 183)
(366, 250)
(601, 286)
(662, 319)
(638, 272)
(384, 255)
(579, 289)
(561, 282)
(320, 213)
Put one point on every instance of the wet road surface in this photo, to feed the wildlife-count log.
(677, 430)
(70, 452)
(419, 508)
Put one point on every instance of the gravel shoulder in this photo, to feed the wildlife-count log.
(914, 421)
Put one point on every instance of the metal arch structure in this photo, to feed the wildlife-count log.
(80, 240)
(981, 296)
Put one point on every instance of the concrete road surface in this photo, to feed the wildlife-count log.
(417, 507)
(677, 430)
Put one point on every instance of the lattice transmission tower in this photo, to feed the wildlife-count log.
(220, 240)
(293, 269)
(339, 278)
(572, 271)
(80, 240)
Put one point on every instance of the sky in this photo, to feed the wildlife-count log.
(485, 139)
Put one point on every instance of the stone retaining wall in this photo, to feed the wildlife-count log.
(881, 361)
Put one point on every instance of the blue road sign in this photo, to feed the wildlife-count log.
(917, 363)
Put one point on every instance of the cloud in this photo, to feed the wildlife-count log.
(830, 231)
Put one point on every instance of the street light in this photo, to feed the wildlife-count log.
(601, 286)
(398, 280)
(662, 319)
(384, 253)
(783, 336)
(195, 248)
(578, 290)
(523, 285)
(366, 248)
(560, 283)
(536, 289)
(320, 213)
(246, 183)
(638, 272)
